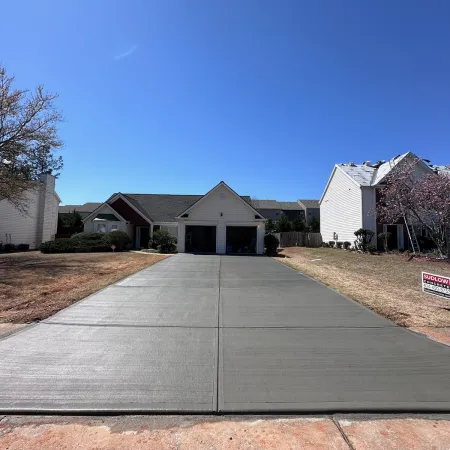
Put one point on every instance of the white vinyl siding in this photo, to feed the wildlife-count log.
(91, 224)
(171, 228)
(38, 224)
(341, 209)
(221, 207)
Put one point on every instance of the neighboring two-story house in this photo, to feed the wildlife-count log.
(40, 221)
(350, 196)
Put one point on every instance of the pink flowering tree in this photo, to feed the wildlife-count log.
(423, 200)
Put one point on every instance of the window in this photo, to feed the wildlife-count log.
(101, 228)
(114, 227)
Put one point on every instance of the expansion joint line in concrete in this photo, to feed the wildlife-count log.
(344, 436)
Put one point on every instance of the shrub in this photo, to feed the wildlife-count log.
(86, 236)
(271, 243)
(78, 243)
(384, 237)
(57, 246)
(89, 242)
(118, 238)
(325, 245)
(163, 241)
(347, 245)
(9, 248)
(339, 244)
(23, 247)
(331, 244)
(363, 238)
(371, 248)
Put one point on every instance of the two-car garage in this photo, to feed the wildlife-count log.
(221, 222)
(203, 239)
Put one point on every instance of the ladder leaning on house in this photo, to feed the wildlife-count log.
(412, 236)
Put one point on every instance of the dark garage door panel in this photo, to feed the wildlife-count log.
(240, 238)
(200, 238)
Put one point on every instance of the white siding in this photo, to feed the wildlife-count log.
(90, 225)
(222, 201)
(19, 228)
(221, 207)
(171, 228)
(40, 221)
(341, 209)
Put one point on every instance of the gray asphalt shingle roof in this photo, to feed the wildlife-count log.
(165, 207)
(273, 204)
(162, 207)
(310, 203)
(86, 208)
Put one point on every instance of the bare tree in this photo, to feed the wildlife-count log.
(422, 200)
(28, 139)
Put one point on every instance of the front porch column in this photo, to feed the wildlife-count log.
(181, 236)
(260, 232)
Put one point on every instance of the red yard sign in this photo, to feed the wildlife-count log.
(113, 247)
(436, 284)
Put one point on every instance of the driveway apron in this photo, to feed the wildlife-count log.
(207, 333)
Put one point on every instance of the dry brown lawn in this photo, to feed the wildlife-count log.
(388, 284)
(33, 286)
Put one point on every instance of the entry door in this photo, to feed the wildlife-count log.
(396, 236)
(142, 236)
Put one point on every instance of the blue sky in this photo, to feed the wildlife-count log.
(174, 96)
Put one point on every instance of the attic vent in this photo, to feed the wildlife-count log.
(222, 195)
(185, 215)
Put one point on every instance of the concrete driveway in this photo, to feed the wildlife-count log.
(220, 333)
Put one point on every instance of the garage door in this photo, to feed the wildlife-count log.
(200, 239)
(241, 239)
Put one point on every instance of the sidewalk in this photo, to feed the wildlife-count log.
(338, 432)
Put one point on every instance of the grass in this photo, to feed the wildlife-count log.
(33, 286)
(387, 283)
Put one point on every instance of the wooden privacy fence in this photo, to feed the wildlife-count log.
(299, 239)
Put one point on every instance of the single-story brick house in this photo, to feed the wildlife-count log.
(220, 221)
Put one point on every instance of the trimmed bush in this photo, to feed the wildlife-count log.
(325, 245)
(363, 238)
(87, 242)
(271, 243)
(9, 248)
(23, 247)
(371, 248)
(163, 241)
(347, 245)
(331, 244)
(339, 244)
(86, 236)
(118, 238)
